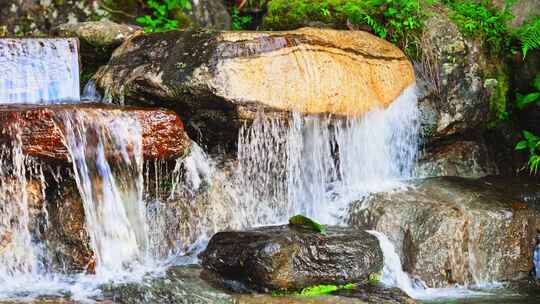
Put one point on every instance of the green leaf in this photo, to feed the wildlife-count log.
(305, 222)
(525, 100)
(536, 82)
(521, 145)
(530, 137)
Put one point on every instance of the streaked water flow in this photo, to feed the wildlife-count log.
(317, 164)
(39, 71)
(105, 148)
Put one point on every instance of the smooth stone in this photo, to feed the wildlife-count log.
(464, 158)
(283, 258)
(163, 131)
(453, 230)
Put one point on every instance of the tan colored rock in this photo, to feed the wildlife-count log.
(224, 77)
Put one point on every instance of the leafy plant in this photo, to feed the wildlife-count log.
(239, 22)
(532, 143)
(162, 18)
(522, 101)
(398, 21)
(529, 35)
(482, 19)
(307, 223)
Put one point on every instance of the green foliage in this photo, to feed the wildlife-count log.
(239, 22)
(375, 278)
(398, 21)
(531, 143)
(529, 35)
(481, 19)
(165, 15)
(313, 291)
(522, 101)
(307, 223)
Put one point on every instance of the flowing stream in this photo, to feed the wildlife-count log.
(140, 216)
(39, 71)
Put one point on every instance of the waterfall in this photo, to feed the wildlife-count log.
(39, 71)
(394, 276)
(105, 148)
(317, 164)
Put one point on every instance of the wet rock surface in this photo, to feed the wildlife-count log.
(220, 79)
(179, 285)
(281, 258)
(162, 130)
(453, 98)
(480, 234)
(460, 158)
(184, 284)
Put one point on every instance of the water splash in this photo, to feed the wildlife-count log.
(90, 92)
(316, 165)
(39, 71)
(394, 276)
(105, 148)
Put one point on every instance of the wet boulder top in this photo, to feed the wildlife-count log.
(307, 70)
(163, 134)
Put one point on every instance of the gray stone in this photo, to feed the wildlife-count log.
(453, 230)
(210, 14)
(461, 158)
(284, 258)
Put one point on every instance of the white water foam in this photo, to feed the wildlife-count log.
(39, 71)
(316, 165)
(105, 148)
(394, 276)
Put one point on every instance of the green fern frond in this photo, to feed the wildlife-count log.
(529, 35)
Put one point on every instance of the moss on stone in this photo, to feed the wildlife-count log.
(498, 86)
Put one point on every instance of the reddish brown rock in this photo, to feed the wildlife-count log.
(163, 131)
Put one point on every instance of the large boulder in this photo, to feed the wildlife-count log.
(465, 158)
(221, 78)
(459, 85)
(286, 258)
(162, 130)
(480, 234)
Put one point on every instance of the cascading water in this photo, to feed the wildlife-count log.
(39, 71)
(394, 276)
(316, 165)
(106, 151)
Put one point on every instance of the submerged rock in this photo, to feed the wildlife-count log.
(461, 158)
(162, 130)
(453, 230)
(179, 285)
(283, 258)
(222, 78)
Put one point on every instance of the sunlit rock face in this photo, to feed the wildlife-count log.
(227, 76)
(162, 130)
(454, 230)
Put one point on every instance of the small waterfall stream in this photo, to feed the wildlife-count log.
(39, 71)
(106, 152)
